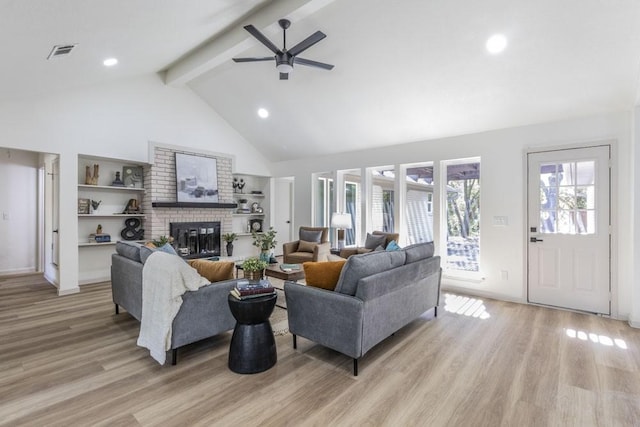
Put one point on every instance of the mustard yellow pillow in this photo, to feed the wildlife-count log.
(213, 271)
(323, 275)
(304, 246)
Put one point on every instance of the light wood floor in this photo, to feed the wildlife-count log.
(70, 361)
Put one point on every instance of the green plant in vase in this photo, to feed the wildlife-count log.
(253, 268)
(266, 242)
(229, 238)
(162, 240)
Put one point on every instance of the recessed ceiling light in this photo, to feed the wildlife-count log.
(496, 43)
(263, 112)
(110, 62)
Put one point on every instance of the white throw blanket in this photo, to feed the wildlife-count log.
(165, 278)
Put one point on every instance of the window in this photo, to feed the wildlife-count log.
(463, 216)
(567, 198)
(325, 202)
(352, 207)
(382, 203)
(419, 203)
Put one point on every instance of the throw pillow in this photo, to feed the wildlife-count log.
(374, 240)
(363, 251)
(145, 252)
(129, 250)
(304, 246)
(168, 249)
(311, 235)
(393, 246)
(323, 275)
(213, 271)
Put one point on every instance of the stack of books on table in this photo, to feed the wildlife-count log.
(245, 289)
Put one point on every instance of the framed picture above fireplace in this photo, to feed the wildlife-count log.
(196, 179)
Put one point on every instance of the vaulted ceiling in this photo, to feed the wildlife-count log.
(404, 71)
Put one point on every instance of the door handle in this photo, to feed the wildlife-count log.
(535, 239)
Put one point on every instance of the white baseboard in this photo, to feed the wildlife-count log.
(479, 293)
(70, 291)
(18, 271)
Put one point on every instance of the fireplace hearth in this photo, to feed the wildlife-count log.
(196, 239)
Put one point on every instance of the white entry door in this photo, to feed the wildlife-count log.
(283, 211)
(569, 229)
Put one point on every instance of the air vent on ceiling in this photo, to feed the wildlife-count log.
(61, 50)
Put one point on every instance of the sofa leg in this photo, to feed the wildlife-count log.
(435, 311)
(295, 342)
(355, 367)
(117, 309)
(174, 356)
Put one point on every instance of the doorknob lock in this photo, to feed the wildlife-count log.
(535, 239)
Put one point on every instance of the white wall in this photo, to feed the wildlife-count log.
(116, 120)
(634, 229)
(18, 211)
(503, 177)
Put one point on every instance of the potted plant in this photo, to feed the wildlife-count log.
(162, 240)
(253, 268)
(265, 241)
(229, 238)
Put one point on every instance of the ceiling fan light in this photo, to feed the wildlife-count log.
(284, 68)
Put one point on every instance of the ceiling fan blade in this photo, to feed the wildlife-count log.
(307, 43)
(261, 38)
(284, 76)
(266, 58)
(311, 63)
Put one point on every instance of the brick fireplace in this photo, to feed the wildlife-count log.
(160, 185)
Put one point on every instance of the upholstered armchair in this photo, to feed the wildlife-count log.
(375, 239)
(312, 245)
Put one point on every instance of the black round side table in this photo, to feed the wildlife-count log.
(253, 347)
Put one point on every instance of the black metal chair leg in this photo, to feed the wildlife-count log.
(174, 356)
(435, 311)
(117, 309)
(295, 343)
(355, 367)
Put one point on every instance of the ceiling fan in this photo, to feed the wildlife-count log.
(285, 58)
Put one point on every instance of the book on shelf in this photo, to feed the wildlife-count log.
(99, 238)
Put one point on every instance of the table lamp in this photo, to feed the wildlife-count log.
(341, 221)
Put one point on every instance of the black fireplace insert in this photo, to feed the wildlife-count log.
(196, 239)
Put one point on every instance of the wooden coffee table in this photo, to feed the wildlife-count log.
(274, 270)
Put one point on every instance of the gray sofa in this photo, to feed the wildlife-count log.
(204, 313)
(377, 294)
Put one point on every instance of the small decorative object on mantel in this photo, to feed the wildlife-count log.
(256, 225)
(132, 176)
(95, 204)
(92, 179)
(99, 229)
(238, 185)
(132, 207)
(131, 231)
(117, 182)
(243, 206)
